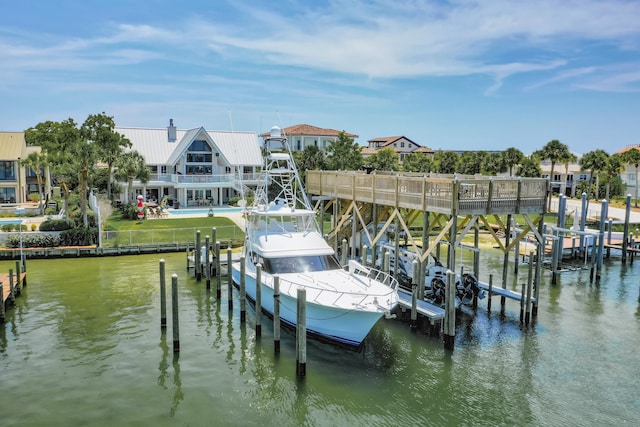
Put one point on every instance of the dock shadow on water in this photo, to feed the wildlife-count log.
(83, 346)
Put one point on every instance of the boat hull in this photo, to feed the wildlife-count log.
(347, 327)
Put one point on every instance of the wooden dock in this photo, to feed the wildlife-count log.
(424, 308)
(18, 284)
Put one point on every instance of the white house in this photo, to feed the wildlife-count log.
(303, 135)
(194, 167)
(400, 144)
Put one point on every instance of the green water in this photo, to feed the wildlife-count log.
(83, 346)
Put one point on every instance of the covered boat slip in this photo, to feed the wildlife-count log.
(442, 208)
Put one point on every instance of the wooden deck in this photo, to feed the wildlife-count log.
(6, 288)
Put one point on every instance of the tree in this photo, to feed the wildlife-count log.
(570, 158)
(37, 161)
(470, 162)
(385, 159)
(344, 153)
(58, 140)
(529, 168)
(131, 166)
(493, 164)
(555, 151)
(612, 170)
(512, 158)
(594, 161)
(417, 162)
(632, 157)
(311, 158)
(109, 144)
(445, 161)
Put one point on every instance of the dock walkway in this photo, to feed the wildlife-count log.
(424, 308)
(507, 293)
(6, 288)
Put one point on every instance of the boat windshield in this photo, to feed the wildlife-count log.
(303, 264)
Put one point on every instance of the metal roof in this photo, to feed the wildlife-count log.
(237, 148)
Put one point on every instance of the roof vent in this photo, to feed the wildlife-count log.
(171, 131)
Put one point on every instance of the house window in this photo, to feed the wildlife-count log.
(583, 177)
(299, 145)
(315, 142)
(7, 171)
(402, 144)
(632, 177)
(7, 195)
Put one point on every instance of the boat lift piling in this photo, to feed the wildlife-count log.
(603, 216)
(450, 311)
(258, 300)
(207, 261)
(301, 333)
(625, 234)
(230, 285)
(175, 319)
(196, 257)
(163, 297)
(276, 313)
(414, 295)
(243, 284)
(527, 317)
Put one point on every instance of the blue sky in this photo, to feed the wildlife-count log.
(461, 74)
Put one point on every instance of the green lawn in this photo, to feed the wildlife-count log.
(120, 231)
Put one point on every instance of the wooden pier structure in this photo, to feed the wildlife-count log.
(445, 208)
(11, 285)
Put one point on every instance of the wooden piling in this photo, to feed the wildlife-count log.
(12, 289)
(18, 284)
(243, 295)
(527, 316)
(625, 233)
(174, 305)
(345, 248)
(301, 333)
(522, 301)
(538, 277)
(2, 315)
(603, 214)
(207, 262)
(364, 255)
(490, 293)
(217, 261)
(163, 297)
(450, 311)
(258, 300)
(414, 296)
(196, 257)
(230, 284)
(276, 313)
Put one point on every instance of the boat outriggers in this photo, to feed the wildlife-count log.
(283, 236)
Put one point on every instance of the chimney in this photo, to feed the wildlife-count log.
(171, 131)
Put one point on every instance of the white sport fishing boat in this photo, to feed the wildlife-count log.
(282, 234)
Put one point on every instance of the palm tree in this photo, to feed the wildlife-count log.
(555, 151)
(571, 158)
(131, 166)
(594, 161)
(615, 165)
(37, 161)
(529, 167)
(512, 157)
(632, 157)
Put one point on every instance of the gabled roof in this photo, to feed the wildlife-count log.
(389, 140)
(309, 130)
(11, 145)
(237, 148)
(424, 150)
(627, 148)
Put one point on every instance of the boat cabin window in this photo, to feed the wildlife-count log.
(304, 264)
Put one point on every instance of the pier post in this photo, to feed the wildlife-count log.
(583, 221)
(196, 257)
(258, 300)
(207, 262)
(603, 216)
(450, 311)
(163, 297)
(12, 289)
(214, 234)
(625, 234)
(345, 248)
(527, 316)
(537, 278)
(218, 273)
(505, 265)
(609, 233)
(364, 255)
(562, 219)
(2, 315)
(386, 262)
(276, 313)
(18, 273)
(354, 228)
(230, 284)
(490, 294)
(414, 296)
(301, 333)
(243, 284)
(516, 250)
(174, 305)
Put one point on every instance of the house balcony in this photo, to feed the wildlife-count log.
(200, 181)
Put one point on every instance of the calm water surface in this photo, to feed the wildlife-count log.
(83, 346)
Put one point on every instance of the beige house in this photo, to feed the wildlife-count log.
(17, 182)
(565, 176)
(628, 175)
(303, 135)
(400, 144)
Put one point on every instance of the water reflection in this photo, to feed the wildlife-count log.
(178, 395)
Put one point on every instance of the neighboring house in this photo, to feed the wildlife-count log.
(301, 136)
(17, 182)
(400, 144)
(628, 175)
(194, 167)
(565, 177)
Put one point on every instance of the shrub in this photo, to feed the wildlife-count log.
(34, 227)
(56, 225)
(34, 197)
(8, 227)
(79, 236)
(33, 241)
